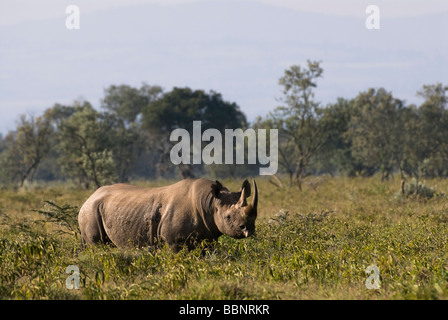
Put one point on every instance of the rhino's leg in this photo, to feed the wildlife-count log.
(91, 225)
(165, 235)
(154, 223)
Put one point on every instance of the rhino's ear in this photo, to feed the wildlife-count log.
(216, 188)
(246, 188)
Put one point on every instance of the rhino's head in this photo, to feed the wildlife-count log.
(233, 215)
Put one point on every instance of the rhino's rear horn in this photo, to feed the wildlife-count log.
(246, 188)
(245, 192)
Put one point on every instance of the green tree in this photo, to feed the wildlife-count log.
(127, 102)
(178, 109)
(124, 105)
(426, 150)
(335, 155)
(376, 130)
(25, 148)
(59, 113)
(85, 147)
(301, 131)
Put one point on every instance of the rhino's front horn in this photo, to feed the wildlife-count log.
(255, 198)
(251, 210)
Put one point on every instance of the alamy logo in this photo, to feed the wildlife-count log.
(213, 153)
(373, 20)
(72, 281)
(373, 280)
(72, 21)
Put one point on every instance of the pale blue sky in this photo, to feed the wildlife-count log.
(14, 11)
(238, 48)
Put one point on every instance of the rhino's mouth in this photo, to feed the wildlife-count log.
(246, 232)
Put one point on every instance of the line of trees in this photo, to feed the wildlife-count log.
(373, 132)
(128, 138)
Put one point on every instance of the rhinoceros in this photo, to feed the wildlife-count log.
(181, 214)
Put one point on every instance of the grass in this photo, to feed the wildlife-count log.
(314, 244)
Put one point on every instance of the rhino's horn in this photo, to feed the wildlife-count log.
(242, 201)
(255, 197)
(245, 192)
(251, 210)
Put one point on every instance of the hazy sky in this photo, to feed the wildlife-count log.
(15, 11)
(235, 47)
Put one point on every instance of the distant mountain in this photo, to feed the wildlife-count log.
(239, 49)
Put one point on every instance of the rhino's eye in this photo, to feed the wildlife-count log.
(228, 217)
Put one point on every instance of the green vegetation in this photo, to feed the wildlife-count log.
(314, 244)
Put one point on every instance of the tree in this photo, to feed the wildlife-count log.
(178, 109)
(127, 102)
(86, 148)
(426, 150)
(376, 130)
(25, 149)
(124, 105)
(59, 113)
(335, 155)
(301, 131)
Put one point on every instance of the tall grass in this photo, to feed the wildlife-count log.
(314, 244)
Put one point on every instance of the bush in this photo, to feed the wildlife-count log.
(414, 189)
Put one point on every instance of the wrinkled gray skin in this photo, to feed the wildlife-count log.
(180, 214)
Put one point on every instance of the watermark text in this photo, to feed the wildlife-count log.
(234, 140)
